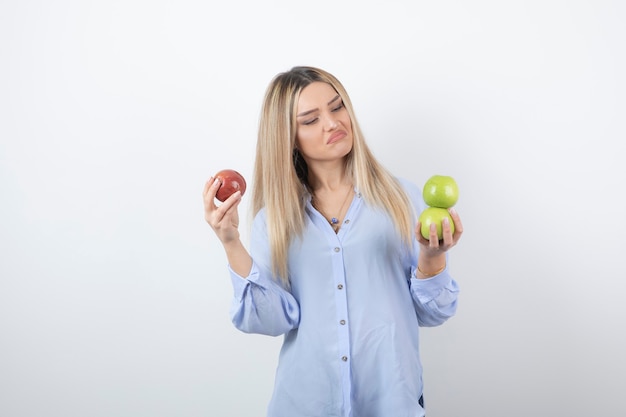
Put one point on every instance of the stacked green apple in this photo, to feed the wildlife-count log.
(440, 193)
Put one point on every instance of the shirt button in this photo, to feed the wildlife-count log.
(340, 287)
(342, 322)
(347, 221)
(337, 249)
(344, 358)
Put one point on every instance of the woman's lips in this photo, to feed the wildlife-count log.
(336, 136)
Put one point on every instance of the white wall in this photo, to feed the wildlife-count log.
(114, 294)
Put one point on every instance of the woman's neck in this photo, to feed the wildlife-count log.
(328, 178)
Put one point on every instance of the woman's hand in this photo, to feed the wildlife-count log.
(433, 246)
(223, 219)
(432, 258)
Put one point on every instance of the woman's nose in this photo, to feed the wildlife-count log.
(330, 122)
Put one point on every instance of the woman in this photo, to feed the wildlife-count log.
(337, 263)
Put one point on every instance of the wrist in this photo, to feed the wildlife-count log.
(232, 245)
(425, 274)
(429, 267)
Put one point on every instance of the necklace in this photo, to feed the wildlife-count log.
(334, 221)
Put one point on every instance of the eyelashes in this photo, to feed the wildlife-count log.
(335, 109)
(339, 107)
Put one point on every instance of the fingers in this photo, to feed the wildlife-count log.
(433, 239)
(210, 190)
(458, 226)
(223, 218)
(231, 203)
(207, 185)
(418, 234)
(449, 238)
(227, 211)
(213, 213)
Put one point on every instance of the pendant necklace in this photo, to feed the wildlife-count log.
(334, 221)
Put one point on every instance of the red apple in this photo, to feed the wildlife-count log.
(230, 182)
(434, 215)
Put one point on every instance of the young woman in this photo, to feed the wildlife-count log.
(337, 263)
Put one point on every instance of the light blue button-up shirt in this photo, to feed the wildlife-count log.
(351, 317)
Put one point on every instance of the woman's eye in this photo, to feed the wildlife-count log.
(339, 107)
(309, 122)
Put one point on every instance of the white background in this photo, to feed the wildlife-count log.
(114, 293)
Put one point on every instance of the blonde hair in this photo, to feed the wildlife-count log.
(280, 173)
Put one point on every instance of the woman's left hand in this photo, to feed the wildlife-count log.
(432, 254)
(433, 247)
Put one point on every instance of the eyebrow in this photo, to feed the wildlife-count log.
(304, 113)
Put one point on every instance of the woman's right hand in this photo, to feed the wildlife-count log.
(223, 219)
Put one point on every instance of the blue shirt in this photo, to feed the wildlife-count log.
(351, 317)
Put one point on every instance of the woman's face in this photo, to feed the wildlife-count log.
(324, 129)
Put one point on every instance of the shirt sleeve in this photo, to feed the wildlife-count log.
(260, 303)
(435, 298)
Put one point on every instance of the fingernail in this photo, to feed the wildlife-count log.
(452, 210)
(216, 182)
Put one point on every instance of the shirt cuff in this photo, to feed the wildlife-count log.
(240, 284)
(428, 289)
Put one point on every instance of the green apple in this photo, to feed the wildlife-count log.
(434, 215)
(441, 191)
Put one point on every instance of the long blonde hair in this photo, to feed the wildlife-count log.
(280, 173)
